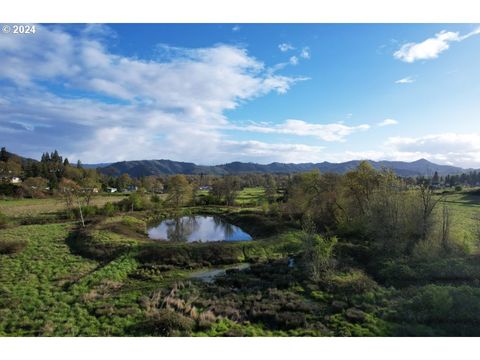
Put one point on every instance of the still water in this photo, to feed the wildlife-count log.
(197, 228)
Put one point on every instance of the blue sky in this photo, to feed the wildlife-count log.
(250, 92)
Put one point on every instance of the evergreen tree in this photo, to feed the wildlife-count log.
(3, 155)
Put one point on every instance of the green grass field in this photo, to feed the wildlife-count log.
(250, 196)
(465, 215)
(34, 207)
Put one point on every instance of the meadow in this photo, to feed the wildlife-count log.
(109, 279)
(34, 207)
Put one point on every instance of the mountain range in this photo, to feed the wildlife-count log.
(138, 168)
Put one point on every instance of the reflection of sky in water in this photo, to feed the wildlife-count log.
(197, 228)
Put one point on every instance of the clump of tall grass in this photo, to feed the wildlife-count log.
(8, 247)
(171, 314)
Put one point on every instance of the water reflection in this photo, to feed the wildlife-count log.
(197, 228)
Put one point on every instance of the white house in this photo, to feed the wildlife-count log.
(15, 180)
(111, 189)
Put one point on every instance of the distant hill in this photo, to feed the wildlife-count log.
(94, 166)
(22, 159)
(140, 168)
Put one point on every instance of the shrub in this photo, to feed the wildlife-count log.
(317, 251)
(352, 282)
(135, 201)
(168, 323)
(89, 210)
(10, 189)
(11, 246)
(155, 199)
(134, 224)
(108, 209)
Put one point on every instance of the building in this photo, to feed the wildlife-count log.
(15, 180)
(111, 190)
(132, 187)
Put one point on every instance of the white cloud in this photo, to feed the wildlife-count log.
(430, 48)
(285, 47)
(135, 108)
(405, 80)
(293, 60)
(267, 152)
(326, 132)
(388, 122)
(305, 53)
(456, 149)
(448, 148)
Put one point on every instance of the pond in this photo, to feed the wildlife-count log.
(200, 228)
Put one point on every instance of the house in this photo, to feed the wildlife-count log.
(91, 190)
(111, 190)
(10, 179)
(15, 180)
(132, 187)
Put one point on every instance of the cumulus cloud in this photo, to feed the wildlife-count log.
(107, 106)
(445, 148)
(405, 80)
(430, 48)
(449, 148)
(284, 47)
(326, 132)
(388, 122)
(293, 60)
(305, 53)
(267, 152)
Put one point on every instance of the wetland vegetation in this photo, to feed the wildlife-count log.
(366, 253)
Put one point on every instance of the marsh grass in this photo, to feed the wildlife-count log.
(111, 280)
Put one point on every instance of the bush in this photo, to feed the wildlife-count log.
(137, 225)
(10, 190)
(168, 323)
(88, 211)
(155, 199)
(8, 247)
(446, 310)
(317, 251)
(350, 283)
(135, 202)
(108, 209)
